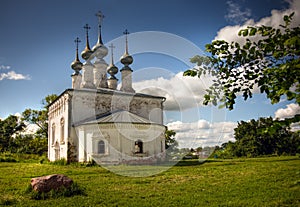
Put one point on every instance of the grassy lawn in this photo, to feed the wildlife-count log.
(271, 181)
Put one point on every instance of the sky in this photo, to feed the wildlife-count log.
(37, 47)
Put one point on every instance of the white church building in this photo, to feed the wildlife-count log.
(94, 120)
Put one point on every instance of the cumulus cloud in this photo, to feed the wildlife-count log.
(181, 92)
(29, 128)
(4, 67)
(235, 14)
(230, 33)
(12, 75)
(202, 133)
(290, 111)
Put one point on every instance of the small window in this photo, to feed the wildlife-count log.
(138, 146)
(101, 147)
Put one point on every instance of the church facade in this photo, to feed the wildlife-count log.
(94, 120)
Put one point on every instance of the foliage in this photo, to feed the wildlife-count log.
(262, 137)
(8, 128)
(13, 137)
(61, 161)
(272, 64)
(272, 181)
(170, 139)
(7, 159)
(40, 117)
(29, 144)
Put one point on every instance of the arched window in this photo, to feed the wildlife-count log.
(62, 130)
(53, 133)
(138, 146)
(101, 147)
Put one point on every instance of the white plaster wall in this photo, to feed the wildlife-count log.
(57, 111)
(81, 104)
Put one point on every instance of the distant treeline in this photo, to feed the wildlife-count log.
(265, 136)
(13, 138)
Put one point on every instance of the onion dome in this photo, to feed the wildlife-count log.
(112, 69)
(87, 52)
(76, 65)
(99, 49)
(126, 59)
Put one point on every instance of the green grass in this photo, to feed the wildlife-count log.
(273, 181)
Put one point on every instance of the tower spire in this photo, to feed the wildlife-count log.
(76, 64)
(112, 70)
(126, 71)
(100, 19)
(77, 41)
(112, 53)
(126, 59)
(86, 53)
(126, 33)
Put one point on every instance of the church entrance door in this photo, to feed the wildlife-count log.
(57, 151)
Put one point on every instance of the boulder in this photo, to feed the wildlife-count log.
(50, 182)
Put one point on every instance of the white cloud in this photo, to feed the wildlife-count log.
(202, 133)
(181, 92)
(290, 111)
(235, 14)
(30, 128)
(4, 67)
(12, 75)
(230, 33)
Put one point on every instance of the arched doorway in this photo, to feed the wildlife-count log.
(57, 150)
(138, 146)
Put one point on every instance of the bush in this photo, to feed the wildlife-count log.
(7, 157)
(62, 161)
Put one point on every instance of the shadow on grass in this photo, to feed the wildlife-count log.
(194, 162)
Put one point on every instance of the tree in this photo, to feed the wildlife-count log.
(11, 138)
(9, 128)
(272, 64)
(40, 117)
(263, 137)
(170, 139)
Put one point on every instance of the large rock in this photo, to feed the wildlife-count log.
(50, 182)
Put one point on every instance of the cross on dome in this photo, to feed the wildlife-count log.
(126, 33)
(126, 59)
(77, 41)
(112, 69)
(100, 20)
(76, 64)
(86, 53)
(87, 28)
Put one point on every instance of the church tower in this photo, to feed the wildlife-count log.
(126, 71)
(76, 65)
(87, 68)
(99, 52)
(112, 70)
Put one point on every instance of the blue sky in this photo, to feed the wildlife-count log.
(36, 42)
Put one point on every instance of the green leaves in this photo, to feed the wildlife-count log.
(265, 137)
(9, 127)
(170, 139)
(191, 73)
(272, 64)
(243, 32)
